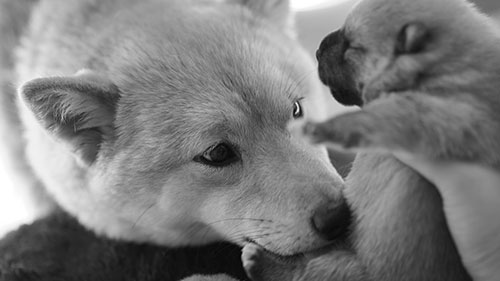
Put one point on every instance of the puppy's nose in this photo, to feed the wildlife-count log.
(318, 53)
(330, 40)
(332, 220)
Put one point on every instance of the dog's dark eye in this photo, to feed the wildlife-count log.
(219, 155)
(297, 110)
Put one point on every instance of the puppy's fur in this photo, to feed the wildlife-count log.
(179, 129)
(426, 73)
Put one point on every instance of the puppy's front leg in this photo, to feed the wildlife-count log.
(438, 127)
(219, 277)
(337, 264)
(261, 265)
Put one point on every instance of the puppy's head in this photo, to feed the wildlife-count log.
(186, 136)
(393, 45)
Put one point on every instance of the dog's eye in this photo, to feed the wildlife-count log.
(297, 110)
(219, 155)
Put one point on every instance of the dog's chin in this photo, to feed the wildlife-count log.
(312, 253)
(293, 258)
(277, 255)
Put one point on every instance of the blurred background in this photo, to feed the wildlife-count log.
(314, 20)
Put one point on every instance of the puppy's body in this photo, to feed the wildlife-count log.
(178, 129)
(399, 232)
(426, 73)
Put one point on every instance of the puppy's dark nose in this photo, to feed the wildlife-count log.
(318, 53)
(332, 220)
(329, 41)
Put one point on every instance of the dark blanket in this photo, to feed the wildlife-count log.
(59, 248)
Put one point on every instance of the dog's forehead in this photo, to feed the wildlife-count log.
(236, 96)
(192, 82)
(222, 78)
(199, 113)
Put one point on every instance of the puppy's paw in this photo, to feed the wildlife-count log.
(261, 265)
(254, 260)
(220, 277)
(350, 131)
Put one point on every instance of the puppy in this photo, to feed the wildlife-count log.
(179, 129)
(426, 75)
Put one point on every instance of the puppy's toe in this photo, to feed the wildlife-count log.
(348, 131)
(261, 265)
(313, 133)
(253, 258)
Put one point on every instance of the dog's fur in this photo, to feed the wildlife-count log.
(426, 73)
(123, 144)
(57, 247)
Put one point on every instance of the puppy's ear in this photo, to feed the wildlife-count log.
(412, 38)
(276, 11)
(78, 110)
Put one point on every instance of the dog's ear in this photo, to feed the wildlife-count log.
(276, 11)
(412, 38)
(77, 110)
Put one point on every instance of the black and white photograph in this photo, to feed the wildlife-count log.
(249, 140)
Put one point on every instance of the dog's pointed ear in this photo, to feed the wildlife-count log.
(412, 38)
(276, 11)
(77, 110)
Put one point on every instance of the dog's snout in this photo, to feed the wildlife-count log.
(332, 220)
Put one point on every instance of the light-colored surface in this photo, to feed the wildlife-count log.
(305, 5)
(12, 212)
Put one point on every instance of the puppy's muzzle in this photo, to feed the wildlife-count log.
(332, 221)
(335, 71)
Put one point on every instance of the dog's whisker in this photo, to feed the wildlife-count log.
(266, 234)
(240, 234)
(240, 219)
(142, 215)
(206, 228)
(253, 235)
(197, 228)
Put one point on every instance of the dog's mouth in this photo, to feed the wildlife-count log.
(292, 259)
(277, 256)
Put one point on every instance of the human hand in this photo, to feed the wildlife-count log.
(471, 199)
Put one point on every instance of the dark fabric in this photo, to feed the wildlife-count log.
(59, 248)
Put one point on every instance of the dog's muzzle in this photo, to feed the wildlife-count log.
(332, 221)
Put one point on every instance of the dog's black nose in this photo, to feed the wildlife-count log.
(332, 220)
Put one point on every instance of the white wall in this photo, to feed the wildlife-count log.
(12, 211)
